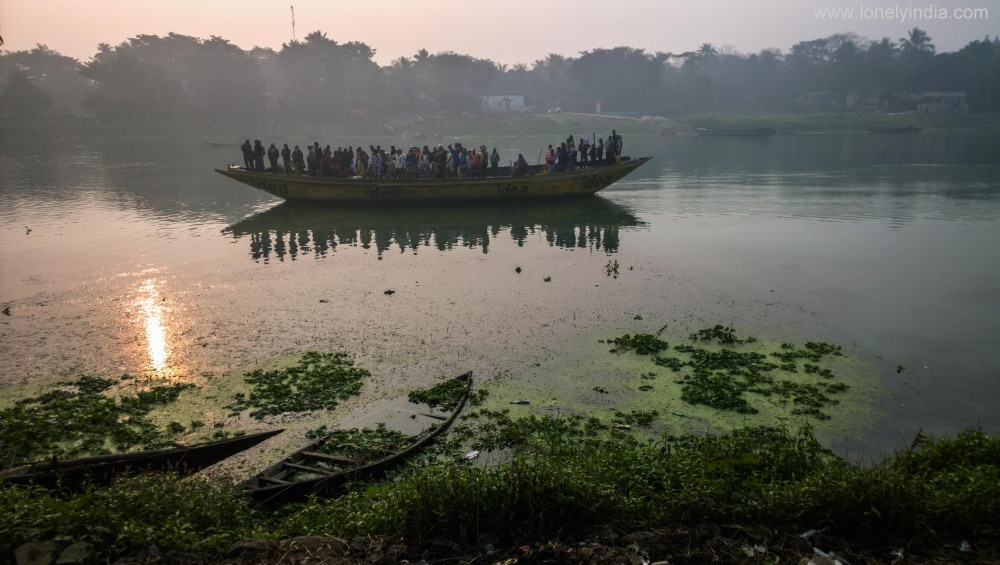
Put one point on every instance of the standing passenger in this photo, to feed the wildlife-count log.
(286, 159)
(520, 168)
(247, 155)
(311, 160)
(258, 155)
(272, 158)
(297, 161)
(614, 147)
(562, 158)
(494, 161)
(571, 152)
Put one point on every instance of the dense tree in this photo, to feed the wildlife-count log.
(553, 84)
(454, 82)
(22, 97)
(624, 78)
(221, 80)
(325, 79)
(173, 77)
(56, 75)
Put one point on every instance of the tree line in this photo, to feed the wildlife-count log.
(149, 78)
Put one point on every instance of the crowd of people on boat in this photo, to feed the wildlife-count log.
(395, 163)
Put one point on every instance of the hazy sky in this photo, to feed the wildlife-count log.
(506, 31)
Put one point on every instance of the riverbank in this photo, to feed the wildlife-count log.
(841, 122)
(750, 496)
(442, 128)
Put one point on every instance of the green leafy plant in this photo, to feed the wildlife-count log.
(319, 381)
(611, 269)
(444, 395)
(81, 417)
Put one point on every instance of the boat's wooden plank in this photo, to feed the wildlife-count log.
(267, 479)
(307, 469)
(329, 458)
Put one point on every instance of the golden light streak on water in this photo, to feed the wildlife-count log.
(153, 314)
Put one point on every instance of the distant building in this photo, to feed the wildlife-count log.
(499, 103)
(943, 102)
(934, 102)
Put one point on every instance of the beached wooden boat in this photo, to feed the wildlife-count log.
(101, 469)
(310, 471)
(743, 132)
(587, 180)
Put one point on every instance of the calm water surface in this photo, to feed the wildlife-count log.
(130, 255)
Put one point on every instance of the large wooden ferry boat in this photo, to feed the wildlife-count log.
(586, 180)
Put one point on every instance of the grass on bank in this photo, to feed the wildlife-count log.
(473, 128)
(947, 486)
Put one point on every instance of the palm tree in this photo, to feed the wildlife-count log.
(707, 50)
(917, 41)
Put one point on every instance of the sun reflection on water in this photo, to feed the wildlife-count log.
(153, 317)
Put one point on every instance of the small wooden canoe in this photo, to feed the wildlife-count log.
(309, 471)
(584, 180)
(101, 469)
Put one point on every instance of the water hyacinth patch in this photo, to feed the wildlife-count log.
(725, 378)
(319, 381)
(444, 395)
(82, 418)
(643, 344)
(361, 444)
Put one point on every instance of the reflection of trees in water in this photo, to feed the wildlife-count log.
(293, 231)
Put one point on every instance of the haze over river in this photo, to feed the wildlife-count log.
(133, 256)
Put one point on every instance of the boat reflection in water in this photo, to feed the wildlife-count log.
(296, 230)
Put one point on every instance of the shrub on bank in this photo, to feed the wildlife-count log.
(748, 476)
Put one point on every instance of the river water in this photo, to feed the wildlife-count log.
(132, 256)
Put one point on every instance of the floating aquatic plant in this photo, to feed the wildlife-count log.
(611, 269)
(725, 335)
(319, 381)
(636, 417)
(444, 395)
(643, 344)
(722, 379)
(81, 418)
(361, 444)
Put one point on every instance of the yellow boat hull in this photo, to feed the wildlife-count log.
(292, 187)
